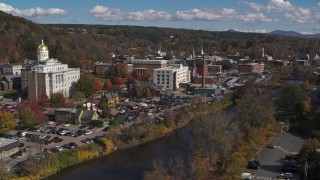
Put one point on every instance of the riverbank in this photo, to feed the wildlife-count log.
(54, 163)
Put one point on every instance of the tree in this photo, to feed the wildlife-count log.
(147, 92)
(35, 107)
(105, 110)
(78, 97)
(138, 91)
(307, 105)
(305, 84)
(86, 85)
(147, 74)
(26, 117)
(291, 99)
(168, 118)
(7, 122)
(158, 172)
(107, 85)
(308, 150)
(44, 100)
(57, 99)
(97, 84)
(254, 112)
(117, 80)
(119, 70)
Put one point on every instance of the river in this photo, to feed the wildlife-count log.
(130, 163)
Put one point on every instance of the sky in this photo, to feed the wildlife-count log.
(261, 16)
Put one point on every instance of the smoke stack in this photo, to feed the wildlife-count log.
(203, 75)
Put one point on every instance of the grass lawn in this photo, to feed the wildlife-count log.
(103, 79)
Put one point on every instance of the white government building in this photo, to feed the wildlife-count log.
(48, 76)
(170, 77)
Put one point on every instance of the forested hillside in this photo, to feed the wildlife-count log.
(76, 44)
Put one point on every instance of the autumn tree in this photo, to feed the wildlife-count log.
(78, 97)
(27, 117)
(36, 109)
(44, 100)
(7, 122)
(97, 84)
(147, 75)
(57, 99)
(119, 70)
(107, 85)
(305, 84)
(117, 80)
(158, 172)
(147, 92)
(307, 105)
(254, 111)
(138, 91)
(307, 152)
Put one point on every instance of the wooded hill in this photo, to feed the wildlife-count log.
(77, 44)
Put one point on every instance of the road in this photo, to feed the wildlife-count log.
(271, 159)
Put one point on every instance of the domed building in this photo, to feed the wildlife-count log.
(48, 76)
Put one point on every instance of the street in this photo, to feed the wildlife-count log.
(271, 159)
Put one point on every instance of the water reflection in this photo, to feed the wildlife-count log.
(130, 163)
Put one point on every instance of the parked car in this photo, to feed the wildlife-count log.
(82, 126)
(66, 125)
(287, 175)
(254, 164)
(50, 123)
(87, 132)
(270, 146)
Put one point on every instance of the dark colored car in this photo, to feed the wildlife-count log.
(254, 164)
(21, 145)
(57, 139)
(270, 146)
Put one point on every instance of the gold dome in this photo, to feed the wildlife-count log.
(42, 47)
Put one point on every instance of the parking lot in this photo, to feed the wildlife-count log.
(272, 159)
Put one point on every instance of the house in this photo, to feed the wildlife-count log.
(74, 116)
(12, 69)
(85, 116)
(10, 82)
(112, 99)
(102, 68)
(65, 115)
(8, 147)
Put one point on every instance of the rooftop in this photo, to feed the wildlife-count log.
(5, 141)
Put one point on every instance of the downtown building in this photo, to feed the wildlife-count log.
(171, 77)
(48, 76)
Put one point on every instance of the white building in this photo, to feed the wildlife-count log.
(48, 76)
(170, 77)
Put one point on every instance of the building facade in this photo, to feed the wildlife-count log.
(48, 76)
(8, 147)
(171, 77)
(251, 68)
(12, 69)
(141, 64)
